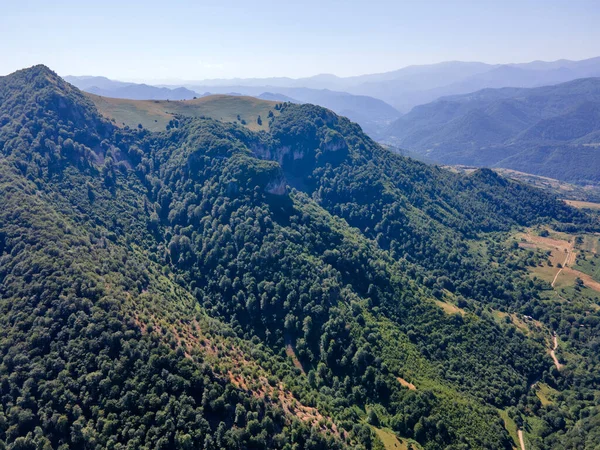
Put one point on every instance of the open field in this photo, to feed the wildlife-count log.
(526, 325)
(289, 350)
(390, 440)
(450, 308)
(154, 115)
(588, 281)
(561, 254)
(510, 426)
(590, 266)
(583, 205)
(564, 252)
(591, 243)
(577, 279)
(545, 393)
(577, 193)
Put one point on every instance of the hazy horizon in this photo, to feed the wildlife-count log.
(147, 41)
(185, 81)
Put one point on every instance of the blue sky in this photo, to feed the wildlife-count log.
(159, 40)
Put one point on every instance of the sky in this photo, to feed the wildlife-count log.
(193, 40)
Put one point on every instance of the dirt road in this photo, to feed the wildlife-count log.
(521, 439)
(567, 261)
(553, 354)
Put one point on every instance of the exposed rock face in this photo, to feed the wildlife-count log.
(334, 142)
(277, 154)
(278, 184)
(298, 154)
(277, 187)
(282, 154)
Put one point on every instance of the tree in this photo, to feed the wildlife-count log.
(373, 419)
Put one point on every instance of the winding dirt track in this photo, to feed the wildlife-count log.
(558, 366)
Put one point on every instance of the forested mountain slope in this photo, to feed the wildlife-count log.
(213, 287)
(551, 131)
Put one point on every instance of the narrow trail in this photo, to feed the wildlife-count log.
(558, 366)
(553, 354)
(521, 439)
(563, 266)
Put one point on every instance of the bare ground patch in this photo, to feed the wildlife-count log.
(406, 384)
(450, 308)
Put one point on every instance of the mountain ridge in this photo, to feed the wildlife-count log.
(493, 126)
(373, 114)
(419, 84)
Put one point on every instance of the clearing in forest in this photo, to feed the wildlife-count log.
(391, 442)
(450, 308)
(583, 205)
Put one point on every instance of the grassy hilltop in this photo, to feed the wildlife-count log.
(155, 115)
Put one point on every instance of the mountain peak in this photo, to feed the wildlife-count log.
(39, 92)
(40, 71)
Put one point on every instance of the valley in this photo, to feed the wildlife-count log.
(550, 131)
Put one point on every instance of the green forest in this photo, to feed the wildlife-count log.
(212, 287)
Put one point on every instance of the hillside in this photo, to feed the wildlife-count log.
(526, 75)
(550, 131)
(155, 115)
(371, 113)
(208, 286)
(561, 189)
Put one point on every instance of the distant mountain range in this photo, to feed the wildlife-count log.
(540, 117)
(426, 83)
(118, 89)
(552, 131)
(277, 97)
(403, 88)
(415, 85)
(371, 113)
